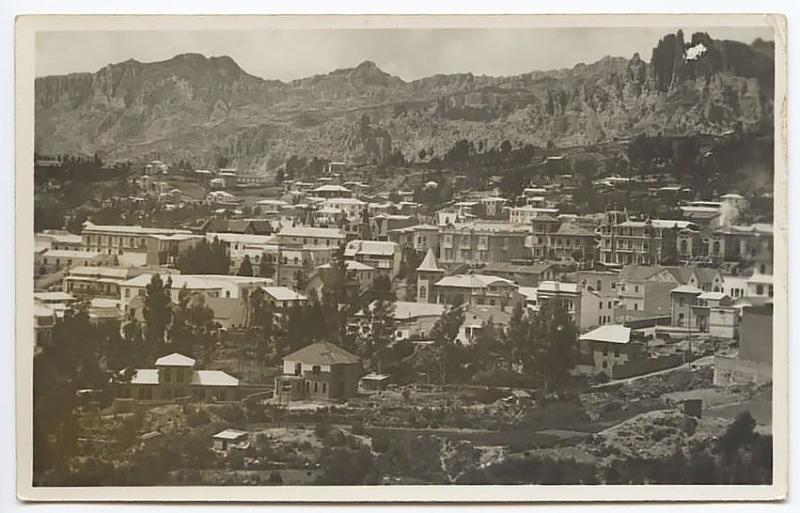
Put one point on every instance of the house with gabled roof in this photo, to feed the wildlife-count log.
(318, 372)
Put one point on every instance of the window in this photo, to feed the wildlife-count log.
(599, 286)
(316, 387)
(167, 375)
(605, 365)
(324, 388)
(605, 350)
(616, 353)
(609, 305)
(636, 288)
(759, 290)
(636, 306)
(316, 369)
(601, 305)
(298, 368)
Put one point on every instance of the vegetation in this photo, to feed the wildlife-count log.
(205, 257)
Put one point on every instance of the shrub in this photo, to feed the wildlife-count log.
(198, 417)
(233, 413)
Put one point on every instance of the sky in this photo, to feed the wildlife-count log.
(407, 53)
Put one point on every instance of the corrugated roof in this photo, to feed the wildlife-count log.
(322, 353)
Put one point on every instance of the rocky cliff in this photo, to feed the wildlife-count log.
(198, 108)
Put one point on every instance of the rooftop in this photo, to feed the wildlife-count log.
(330, 188)
(352, 265)
(311, 231)
(199, 377)
(137, 230)
(405, 310)
(175, 360)
(198, 281)
(613, 333)
(322, 353)
(429, 263)
(687, 289)
(471, 281)
(284, 294)
(370, 247)
(230, 434)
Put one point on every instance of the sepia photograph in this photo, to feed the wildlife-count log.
(364, 258)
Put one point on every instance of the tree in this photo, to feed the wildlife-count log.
(444, 333)
(381, 313)
(261, 322)
(382, 288)
(557, 353)
(157, 309)
(205, 257)
(67, 361)
(245, 268)
(739, 434)
(192, 323)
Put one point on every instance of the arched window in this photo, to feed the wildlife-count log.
(717, 247)
(684, 246)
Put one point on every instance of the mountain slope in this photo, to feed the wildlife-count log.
(198, 108)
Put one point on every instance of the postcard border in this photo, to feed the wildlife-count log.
(25, 29)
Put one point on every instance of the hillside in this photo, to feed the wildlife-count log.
(203, 109)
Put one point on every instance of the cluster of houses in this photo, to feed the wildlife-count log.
(622, 279)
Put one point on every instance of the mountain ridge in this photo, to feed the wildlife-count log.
(205, 108)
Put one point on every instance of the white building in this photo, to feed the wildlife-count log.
(383, 256)
(214, 285)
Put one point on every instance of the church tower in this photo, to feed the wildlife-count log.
(428, 273)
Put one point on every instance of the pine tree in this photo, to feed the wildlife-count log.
(157, 309)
